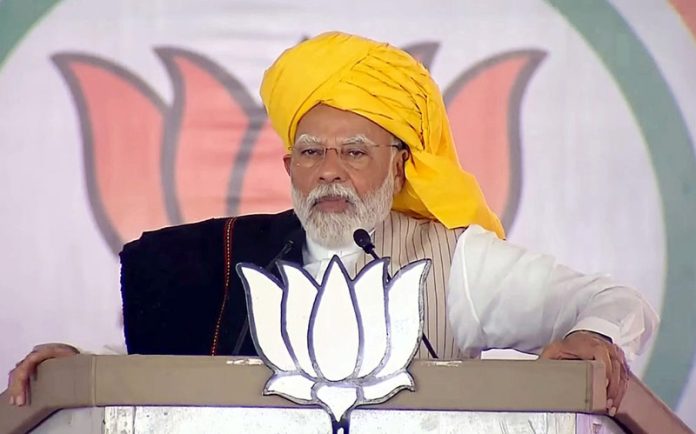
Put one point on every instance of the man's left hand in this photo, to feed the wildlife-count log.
(585, 345)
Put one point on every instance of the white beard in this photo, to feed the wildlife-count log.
(333, 230)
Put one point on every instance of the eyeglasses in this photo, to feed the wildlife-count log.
(357, 156)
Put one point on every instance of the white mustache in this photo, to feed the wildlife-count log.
(334, 191)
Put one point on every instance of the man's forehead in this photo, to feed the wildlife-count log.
(309, 139)
(327, 122)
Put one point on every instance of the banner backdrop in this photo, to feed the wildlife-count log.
(124, 116)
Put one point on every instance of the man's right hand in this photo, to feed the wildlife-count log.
(18, 383)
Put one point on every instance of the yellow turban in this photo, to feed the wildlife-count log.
(389, 87)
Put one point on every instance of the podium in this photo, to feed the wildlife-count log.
(173, 394)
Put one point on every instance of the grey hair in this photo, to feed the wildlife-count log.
(400, 145)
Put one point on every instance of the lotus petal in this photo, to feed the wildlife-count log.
(263, 302)
(205, 133)
(294, 385)
(370, 297)
(297, 309)
(404, 321)
(256, 192)
(483, 105)
(338, 398)
(122, 121)
(334, 330)
(384, 388)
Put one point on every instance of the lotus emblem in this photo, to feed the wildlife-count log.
(339, 343)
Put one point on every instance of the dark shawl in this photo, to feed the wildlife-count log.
(173, 282)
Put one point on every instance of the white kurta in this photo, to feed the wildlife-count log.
(502, 296)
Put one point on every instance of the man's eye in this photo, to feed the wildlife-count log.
(311, 152)
(355, 153)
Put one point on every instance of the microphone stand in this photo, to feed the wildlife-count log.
(241, 337)
(363, 240)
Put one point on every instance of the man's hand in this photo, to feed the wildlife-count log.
(18, 383)
(584, 345)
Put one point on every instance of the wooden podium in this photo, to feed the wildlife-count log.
(169, 394)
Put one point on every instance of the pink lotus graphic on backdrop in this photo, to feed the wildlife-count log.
(212, 152)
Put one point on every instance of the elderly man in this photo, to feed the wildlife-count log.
(369, 146)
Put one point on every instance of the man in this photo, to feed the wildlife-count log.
(369, 146)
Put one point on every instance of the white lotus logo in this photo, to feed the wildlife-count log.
(339, 344)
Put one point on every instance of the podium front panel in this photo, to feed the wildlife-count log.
(125, 394)
(191, 420)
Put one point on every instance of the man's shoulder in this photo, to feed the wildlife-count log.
(424, 224)
(212, 230)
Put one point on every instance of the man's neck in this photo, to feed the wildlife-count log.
(314, 251)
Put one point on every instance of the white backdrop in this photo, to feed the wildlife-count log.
(589, 185)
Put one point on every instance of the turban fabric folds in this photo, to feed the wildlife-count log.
(389, 87)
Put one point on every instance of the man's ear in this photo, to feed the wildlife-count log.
(399, 162)
(286, 163)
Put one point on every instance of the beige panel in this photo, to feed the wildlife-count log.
(494, 385)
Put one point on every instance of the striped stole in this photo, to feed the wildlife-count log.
(406, 239)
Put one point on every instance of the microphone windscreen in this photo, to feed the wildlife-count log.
(362, 238)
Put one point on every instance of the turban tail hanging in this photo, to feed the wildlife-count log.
(389, 87)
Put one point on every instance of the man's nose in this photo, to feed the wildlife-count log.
(331, 167)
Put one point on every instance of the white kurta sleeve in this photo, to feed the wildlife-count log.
(503, 296)
(111, 349)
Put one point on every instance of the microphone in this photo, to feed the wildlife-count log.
(363, 240)
(241, 337)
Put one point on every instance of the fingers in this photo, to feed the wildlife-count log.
(619, 379)
(19, 382)
(614, 362)
(622, 390)
(624, 371)
(589, 346)
(614, 388)
(602, 354)
(19, 377)
(551, 351)
(561, 350)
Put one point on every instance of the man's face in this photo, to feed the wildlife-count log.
(344, 171)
